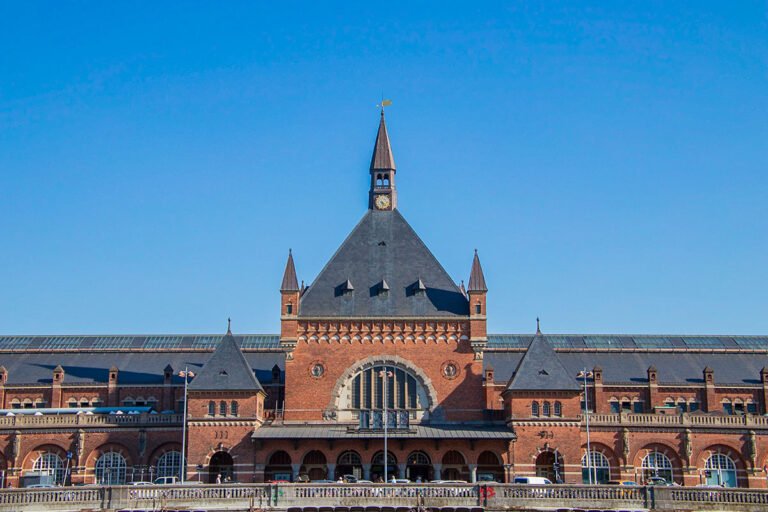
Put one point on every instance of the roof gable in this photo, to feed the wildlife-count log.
(383, 248)
(541, 369)
(226, 370)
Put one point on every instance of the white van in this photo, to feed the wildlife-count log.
(167, 480)
(532, 480)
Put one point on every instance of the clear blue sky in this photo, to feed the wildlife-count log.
(608, 160)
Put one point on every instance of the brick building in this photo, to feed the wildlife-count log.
(384, 335)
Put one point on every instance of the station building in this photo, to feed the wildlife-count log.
(383, 336)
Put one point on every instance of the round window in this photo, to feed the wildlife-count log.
(450, 370)
(317, 370)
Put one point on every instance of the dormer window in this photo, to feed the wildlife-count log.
(382, 289)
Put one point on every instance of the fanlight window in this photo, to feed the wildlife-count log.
(596, 470)
(720, 470)
(50, 463)
(656, 464)
(110, 469)
(169, 464)
(368, 389)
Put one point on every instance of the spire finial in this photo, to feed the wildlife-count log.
(538, 327)
(229, 326)
(290, 283)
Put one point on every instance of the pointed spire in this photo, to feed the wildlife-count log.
(382, 158)
(290, 283)
(229, 327)
(476, 277)
(538, 327)
(462, 289)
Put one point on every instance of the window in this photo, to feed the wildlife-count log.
(637, 407)
(558, 409)
(546, 409)
(615, 407)
(727, 407)
(289, 309)
(720, 470)
(656, 464)
(233, 408)
(110, 469)
(681, 405)
(535, 409)
(693, 406)
(223, 408)
(596, 469)
(169, 464)
(15, 404)
(626, 405)
(751, 407)
(478, 309)
(211, 408)
(72, 402)
(738, 407)
(367, 389)
(50, 464)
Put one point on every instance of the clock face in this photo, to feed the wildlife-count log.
(382, 202)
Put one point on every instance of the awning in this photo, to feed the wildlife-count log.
(446, 431)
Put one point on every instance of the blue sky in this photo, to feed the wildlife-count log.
(607, 159)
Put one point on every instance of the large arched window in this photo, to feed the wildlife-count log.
(110, 469)
(596, 469)
(50, 463)
(368, 389)
(720, 470)
(169, 464)
(656, 464)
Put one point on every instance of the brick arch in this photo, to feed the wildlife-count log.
(606, 450)
(221, 447)
(162, 450)
(90, 461)
(32, 455)
(390, 360)
(701, 457)
(669, 451)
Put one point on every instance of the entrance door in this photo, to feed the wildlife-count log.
(546, 466)
(419, 467)
(221, 468)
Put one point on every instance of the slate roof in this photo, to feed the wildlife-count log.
(540, 369)
(140, 368)
(476, 277)
(445, 431)
(382, 151)
(290, 283)
(383, 246)
(226, 370)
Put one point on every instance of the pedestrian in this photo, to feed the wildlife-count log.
(218, 479)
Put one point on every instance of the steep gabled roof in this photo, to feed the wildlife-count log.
(541, 369)
(476, 277)
(382, 151)
(226, 370)
(290, 283)
(383, 247)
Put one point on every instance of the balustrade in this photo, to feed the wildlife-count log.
(65, 420)
(680, 420)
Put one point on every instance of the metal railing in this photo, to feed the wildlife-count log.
(289, 496)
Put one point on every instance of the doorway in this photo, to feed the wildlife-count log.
(221, 464)
(550, 465)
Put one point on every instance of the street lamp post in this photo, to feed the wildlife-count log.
(186, 374)
(385, 374)
(584, 373)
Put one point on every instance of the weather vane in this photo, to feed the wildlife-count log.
(384, 103)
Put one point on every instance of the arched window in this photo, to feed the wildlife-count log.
(349, 458)
(110, 469)
(598, 470)
(418, 459)
(16, 404)
(386, 180)
(223, 408)
(169, 464)
(233, 407)
(211, 408)
(720, 470)
(656, 464)
(72, 402)
(546, 409)
(368, 389)
(558, 409)
(50, 463)
(534, 408)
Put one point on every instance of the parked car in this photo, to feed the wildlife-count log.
(40, 486)
(141, 483)
(166, 480)
(621, 482)
(658, 481)
(349, 479)
(532, 480)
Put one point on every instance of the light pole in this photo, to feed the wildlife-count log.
(385, 374)
(186, 374)
(584, 373)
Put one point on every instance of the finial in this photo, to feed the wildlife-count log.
(475, 251)
(229, 326)
(289, 250)
(538, 327)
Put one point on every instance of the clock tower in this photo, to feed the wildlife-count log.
(383, 194)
